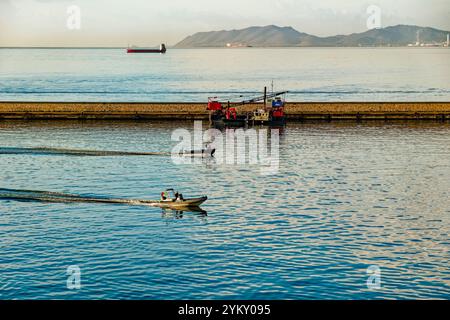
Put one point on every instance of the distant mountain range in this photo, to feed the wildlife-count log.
(274, 36)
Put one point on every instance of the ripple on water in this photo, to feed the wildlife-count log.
(346, 197)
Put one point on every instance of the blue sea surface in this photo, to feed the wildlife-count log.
(192, 75)
(346, 197)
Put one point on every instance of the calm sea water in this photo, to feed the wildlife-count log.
(348, 196)
(311, 74)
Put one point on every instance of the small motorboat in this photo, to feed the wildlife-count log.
(177, 204)
(208, 152)
(174, 200)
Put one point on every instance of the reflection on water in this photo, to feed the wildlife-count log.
(178, 214)
(347, 196)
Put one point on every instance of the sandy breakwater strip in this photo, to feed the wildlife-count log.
(299, 111)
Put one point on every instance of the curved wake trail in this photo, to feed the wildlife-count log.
(47, 196)
(75, 152)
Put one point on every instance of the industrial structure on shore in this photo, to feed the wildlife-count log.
(419, 43)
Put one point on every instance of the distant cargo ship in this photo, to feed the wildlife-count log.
(162, 49)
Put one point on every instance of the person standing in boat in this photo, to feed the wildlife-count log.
(209, 151)
(178, 196)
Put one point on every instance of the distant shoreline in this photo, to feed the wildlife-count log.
(275, 36)
(296, 111)
(62, 47)
(241, 48)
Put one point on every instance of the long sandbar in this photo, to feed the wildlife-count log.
(298, 111)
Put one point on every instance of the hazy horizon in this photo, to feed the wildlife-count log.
(44, 23)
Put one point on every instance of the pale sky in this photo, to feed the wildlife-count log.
(150, 22)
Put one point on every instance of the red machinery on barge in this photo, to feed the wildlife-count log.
(226, 113)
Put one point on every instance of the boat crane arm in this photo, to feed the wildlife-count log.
(253, 100)
(260, 98)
